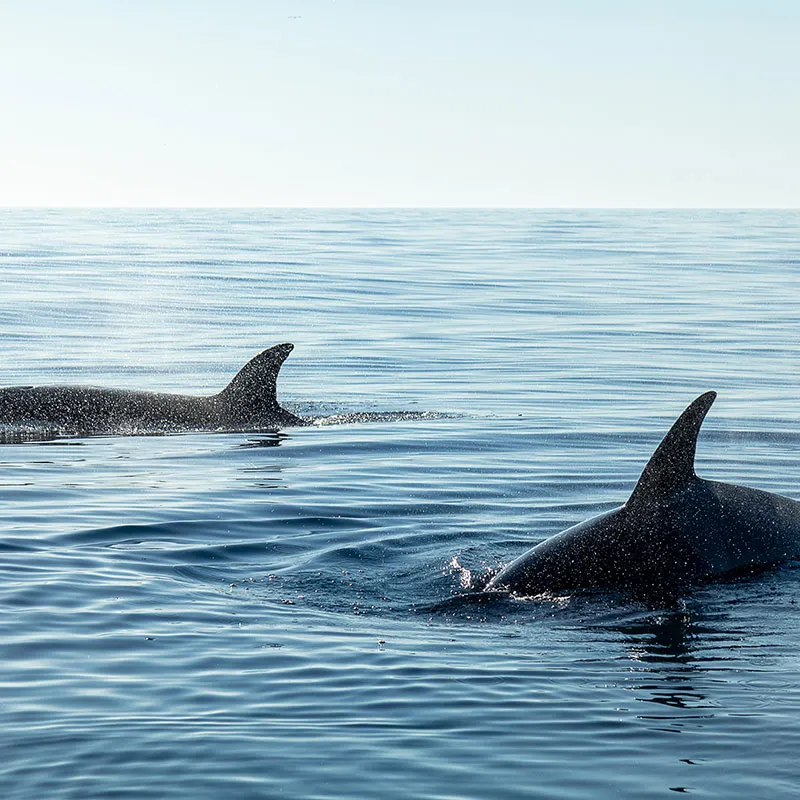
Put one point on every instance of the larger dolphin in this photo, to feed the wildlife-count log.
(248, 402)
(675, 529)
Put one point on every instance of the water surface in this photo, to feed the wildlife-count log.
(244, 615)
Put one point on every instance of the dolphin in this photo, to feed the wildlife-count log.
(675, 530)
(248, 402)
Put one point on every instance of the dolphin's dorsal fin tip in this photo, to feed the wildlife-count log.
(672, 464)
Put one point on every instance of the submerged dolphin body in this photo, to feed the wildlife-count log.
(675, 530)
(248, 402)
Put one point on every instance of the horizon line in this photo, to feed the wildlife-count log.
(404, 207)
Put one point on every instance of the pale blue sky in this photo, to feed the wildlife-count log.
(589, 103)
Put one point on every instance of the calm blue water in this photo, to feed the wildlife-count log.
(237, 615)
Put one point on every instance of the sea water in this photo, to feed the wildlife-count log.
(259, 615)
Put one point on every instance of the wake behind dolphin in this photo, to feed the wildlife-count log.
(248, 402)
(675, 530)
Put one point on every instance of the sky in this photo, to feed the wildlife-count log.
(412, 103)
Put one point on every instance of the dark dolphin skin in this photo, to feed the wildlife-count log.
(675, 530)
(248, 402)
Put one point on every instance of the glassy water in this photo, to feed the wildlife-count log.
(213, 615)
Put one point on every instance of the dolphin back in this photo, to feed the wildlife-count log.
(249, 401)
(674, 530)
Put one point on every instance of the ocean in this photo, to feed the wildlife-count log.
(260, 615)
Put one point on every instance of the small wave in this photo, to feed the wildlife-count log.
(45, 432)
(380, 416)
(25, 432)
(21, 434)
(461, 602)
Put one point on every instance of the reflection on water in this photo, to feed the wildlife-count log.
(668, 635)
(263, 441)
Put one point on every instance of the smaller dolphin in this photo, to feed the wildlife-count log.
(248, 402)
(675, 530)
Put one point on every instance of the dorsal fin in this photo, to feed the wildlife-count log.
(255, 386)
(672, 464)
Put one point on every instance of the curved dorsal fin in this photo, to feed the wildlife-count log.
(672, 464)
(255, 385)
